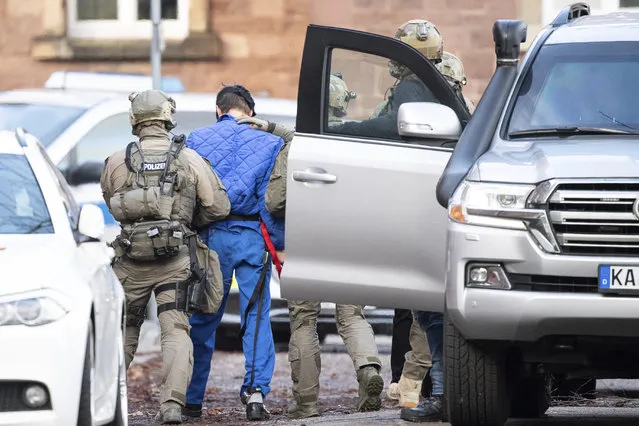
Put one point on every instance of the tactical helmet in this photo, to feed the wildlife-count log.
(151, 105)
(452, 68)
(423, 36)
(339, 95)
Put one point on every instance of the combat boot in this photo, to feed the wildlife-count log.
(371, 385)
(170, 413)
(409, 390)
(432, 409)
(303, 411)
(255, 409)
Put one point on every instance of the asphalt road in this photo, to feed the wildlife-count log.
(615, 405)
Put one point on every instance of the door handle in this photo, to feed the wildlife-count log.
(314, 176)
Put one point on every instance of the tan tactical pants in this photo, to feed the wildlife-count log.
(139, 280)
(418, 359)
(304, 347)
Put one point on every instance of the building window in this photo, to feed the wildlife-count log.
(125, 19)
(629, 3)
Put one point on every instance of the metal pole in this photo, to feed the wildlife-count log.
(156, 73)
(156, 49)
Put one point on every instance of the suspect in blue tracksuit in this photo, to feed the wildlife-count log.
(243, 159)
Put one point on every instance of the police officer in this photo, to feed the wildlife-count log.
(243, 158)
(425, 37)
(356, 332)
(159, 190)
(452, 69)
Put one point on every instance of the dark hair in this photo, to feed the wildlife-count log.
(237, 97)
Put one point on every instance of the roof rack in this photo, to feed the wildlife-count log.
(574, 11)
(117, 82)
(21, 136)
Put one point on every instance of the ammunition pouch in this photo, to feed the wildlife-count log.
(150, 240)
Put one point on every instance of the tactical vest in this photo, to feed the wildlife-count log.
(155, 206)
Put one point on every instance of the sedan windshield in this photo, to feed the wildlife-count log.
(45, 122)
(577, 88)
(22, 206)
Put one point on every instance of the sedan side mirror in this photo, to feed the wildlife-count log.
(89, 172)
(428, 120)
(91, 222)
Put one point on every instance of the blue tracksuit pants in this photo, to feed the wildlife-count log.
(239, 249)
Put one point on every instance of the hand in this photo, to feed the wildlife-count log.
(281, 256)
(255, 123)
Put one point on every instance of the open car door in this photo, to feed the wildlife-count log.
(362, 222)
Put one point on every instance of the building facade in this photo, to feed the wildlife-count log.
(254, 42)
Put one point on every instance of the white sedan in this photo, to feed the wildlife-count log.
(61, 305)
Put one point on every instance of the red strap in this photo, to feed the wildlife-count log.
(271, 248)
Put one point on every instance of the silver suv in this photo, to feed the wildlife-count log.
(542, 274)
(539, 250)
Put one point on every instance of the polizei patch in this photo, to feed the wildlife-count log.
(153, 167)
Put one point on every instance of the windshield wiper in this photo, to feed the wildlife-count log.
(39, 226)
(569, 131)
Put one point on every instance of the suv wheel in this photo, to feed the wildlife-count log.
(476, 386)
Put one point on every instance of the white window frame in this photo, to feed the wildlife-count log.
(550, 9)
(127, 26)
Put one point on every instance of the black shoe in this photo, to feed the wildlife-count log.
(192, 410)
(432, 409)
(255, 409)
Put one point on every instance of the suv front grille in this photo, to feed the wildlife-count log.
(596, 218)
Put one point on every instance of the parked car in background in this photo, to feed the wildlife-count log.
(61, 305)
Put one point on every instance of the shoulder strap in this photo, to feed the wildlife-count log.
(127, 157)
(175, 148)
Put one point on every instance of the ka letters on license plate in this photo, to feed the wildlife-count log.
(623, 278)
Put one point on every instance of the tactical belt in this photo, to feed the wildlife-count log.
(180, 289)
(241, 218)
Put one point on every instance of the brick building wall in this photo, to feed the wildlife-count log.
(256, 42)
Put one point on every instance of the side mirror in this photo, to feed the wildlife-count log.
(91, 222)
(428, 120)
(89, 172)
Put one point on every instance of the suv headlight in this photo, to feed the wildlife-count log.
(31, 309)
(502, 205)
(490, 204)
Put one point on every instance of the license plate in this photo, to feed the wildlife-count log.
(619, 279)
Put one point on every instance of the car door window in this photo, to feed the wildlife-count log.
(365, 92)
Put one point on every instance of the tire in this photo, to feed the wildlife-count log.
(530, 397)
(121, 405)
(86, 409)
(476, 385)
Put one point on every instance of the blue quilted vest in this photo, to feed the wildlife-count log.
(243, 158)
